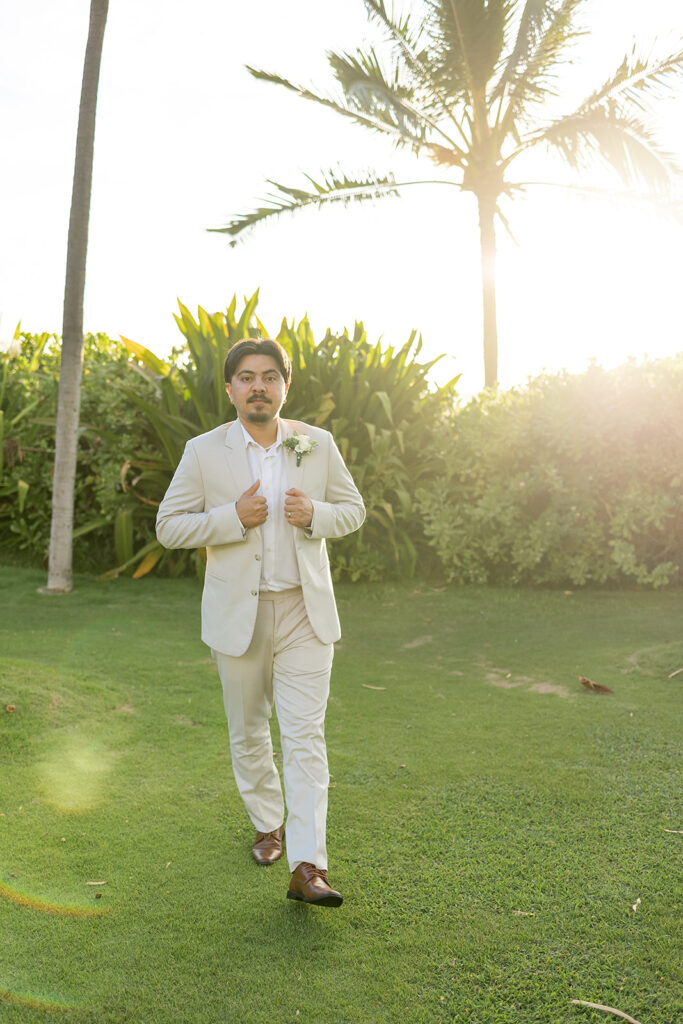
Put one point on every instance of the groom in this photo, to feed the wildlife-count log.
(262, 494)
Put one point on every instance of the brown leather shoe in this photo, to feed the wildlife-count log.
(267, 847)
(309, 884)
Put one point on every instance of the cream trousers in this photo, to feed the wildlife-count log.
(287, 665)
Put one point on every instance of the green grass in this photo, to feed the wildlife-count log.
(491, 822)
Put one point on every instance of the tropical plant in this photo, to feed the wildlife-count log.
(468, 84)
(109, 429)
(375, 400)
(18, 435)
(572, 480)
(378, 406)
(188, 398)
(66, 436)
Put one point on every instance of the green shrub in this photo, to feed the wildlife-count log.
(571, 480)
(109, 430)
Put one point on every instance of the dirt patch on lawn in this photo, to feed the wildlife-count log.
(506, 680)
(561, 691)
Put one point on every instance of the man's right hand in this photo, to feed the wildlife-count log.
(252, 508)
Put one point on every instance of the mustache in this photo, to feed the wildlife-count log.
(259, 398)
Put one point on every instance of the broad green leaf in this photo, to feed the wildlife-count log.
(22, 492)
(94, 524)
(384, 400)
(123, 534)
(111, 574)
(148, 358)
(148, 563)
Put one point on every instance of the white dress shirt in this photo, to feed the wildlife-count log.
(279, 567)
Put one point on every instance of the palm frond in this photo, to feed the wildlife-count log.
(355, 115)
(409, 41)
(539, 58)
(506, 224)
(370, 91)
(620, 141)
(528, 34)
(637, 78)
(467, 39)
(382, 97)
(400, 30)
(332, 188)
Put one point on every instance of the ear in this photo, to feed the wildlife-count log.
(228, 390)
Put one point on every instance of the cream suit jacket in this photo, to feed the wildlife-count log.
(198, 510)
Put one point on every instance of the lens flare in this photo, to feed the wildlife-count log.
(72, 776)
(22, 899)
(35, 1002)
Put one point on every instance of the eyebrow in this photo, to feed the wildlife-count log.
(252, 373)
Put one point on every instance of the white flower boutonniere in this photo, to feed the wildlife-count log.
(300, 444)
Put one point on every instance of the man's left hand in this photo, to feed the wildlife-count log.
(298, 508)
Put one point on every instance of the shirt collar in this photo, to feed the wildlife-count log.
(248, 439)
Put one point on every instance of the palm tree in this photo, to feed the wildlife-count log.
(71, 364)
(465, 84)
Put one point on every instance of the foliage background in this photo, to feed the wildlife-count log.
(139, 411)
(572, 480)
(109, 429)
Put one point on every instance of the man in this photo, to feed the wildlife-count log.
(262, 494)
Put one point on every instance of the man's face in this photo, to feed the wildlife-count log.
(257, 389)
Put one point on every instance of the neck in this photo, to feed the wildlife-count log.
(264, 434)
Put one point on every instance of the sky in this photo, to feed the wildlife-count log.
(186, 139)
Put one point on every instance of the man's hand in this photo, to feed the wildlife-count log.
(252, 508)
(298, 508)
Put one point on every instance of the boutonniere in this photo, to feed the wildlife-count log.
(300, 444)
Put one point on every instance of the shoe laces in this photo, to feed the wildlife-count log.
(320, 872)
(268, 835)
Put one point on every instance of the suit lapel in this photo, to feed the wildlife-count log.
(295, 474)
(236, 457)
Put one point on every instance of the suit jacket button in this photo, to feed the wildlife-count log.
(257, 557)
(254, 593)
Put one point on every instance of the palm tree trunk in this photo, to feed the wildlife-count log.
(487, 234)
(71, 365)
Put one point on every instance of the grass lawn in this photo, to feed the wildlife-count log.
(492, 823)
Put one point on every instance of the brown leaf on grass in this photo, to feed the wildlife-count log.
(674, 831)
(676, 673)
(593, 687)
(523, 913)
(635, 906)
(9, 708)
(366, 686)
(95, 883)
(607, 1009)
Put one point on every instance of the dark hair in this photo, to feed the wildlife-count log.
(257, 347)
